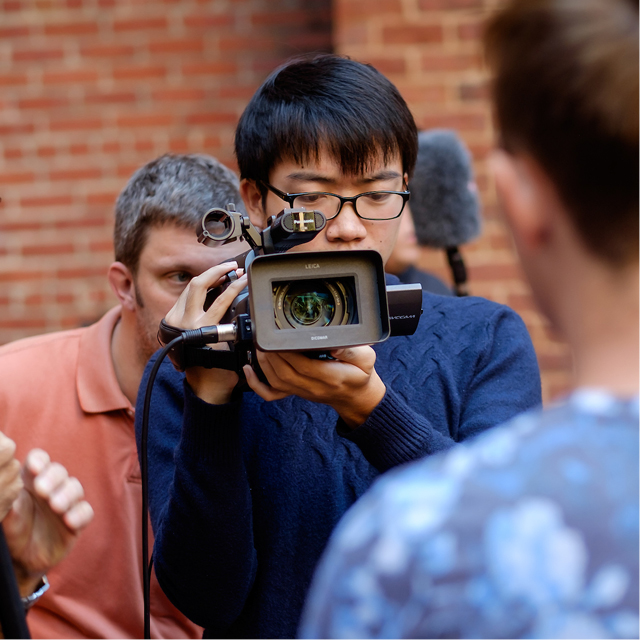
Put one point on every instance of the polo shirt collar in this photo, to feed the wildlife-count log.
(98, 388)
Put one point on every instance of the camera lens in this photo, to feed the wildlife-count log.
(309, 307)
(312, 303)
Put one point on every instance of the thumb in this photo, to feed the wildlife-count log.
(363, 357)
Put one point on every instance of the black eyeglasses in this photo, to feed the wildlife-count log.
(371, 205)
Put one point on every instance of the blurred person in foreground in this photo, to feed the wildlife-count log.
(531, 530)
(42, 512)
(73, 393)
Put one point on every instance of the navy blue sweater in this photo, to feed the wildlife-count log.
(244, 496)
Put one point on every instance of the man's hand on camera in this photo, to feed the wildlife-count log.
(211, 385)
(349, 384)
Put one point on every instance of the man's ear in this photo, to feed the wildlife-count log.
(252, 198)
(121, 281)
(522, 191)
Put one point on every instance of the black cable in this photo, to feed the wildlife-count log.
(13, 623)
(144, 473)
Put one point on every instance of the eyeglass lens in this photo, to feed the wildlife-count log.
(375, 206)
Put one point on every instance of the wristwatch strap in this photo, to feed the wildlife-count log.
(29, 601)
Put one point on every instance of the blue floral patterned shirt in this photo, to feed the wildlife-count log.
(529, 530)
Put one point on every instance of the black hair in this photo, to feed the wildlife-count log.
(325, 103)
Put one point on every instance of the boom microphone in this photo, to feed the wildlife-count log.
(444, 198)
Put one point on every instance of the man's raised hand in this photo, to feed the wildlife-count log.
(211, 385)
(45, 519)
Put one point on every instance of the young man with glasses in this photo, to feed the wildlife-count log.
(246, 488)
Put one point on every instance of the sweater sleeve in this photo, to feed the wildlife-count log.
(489, 381)
(200, 504)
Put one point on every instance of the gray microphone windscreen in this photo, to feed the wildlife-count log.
(444, 198)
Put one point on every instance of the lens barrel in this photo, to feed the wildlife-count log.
(313, 303)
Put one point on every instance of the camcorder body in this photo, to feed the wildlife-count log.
(309, 302)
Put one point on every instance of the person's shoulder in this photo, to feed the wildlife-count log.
(519, 490)
(587, 422)
(435, 484)
(581, 436)
(582, 412)
(37, 346)
(468, 320)
(30, 365)
(445, 474)
(465, 334)
(602, 405)
(463, 306)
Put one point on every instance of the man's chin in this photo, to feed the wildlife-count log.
(146, 345)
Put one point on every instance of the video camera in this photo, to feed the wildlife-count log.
(301, 301)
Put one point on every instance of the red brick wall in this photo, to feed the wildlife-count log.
(92, 89)
(431, 50)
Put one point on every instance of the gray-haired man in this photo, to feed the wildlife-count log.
(73, 393)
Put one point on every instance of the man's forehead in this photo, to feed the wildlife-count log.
(326, 167)
(169, 232)
(172, 245)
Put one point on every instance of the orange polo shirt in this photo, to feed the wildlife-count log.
(59, 392)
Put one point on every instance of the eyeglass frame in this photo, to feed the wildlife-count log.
(290, 197)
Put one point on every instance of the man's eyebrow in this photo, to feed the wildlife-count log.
(309, 176)
(169, 266)
(385, 174)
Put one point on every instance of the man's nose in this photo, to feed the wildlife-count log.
(346, 226)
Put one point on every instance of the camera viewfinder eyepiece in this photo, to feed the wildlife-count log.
(291, 228)
(221, 226)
